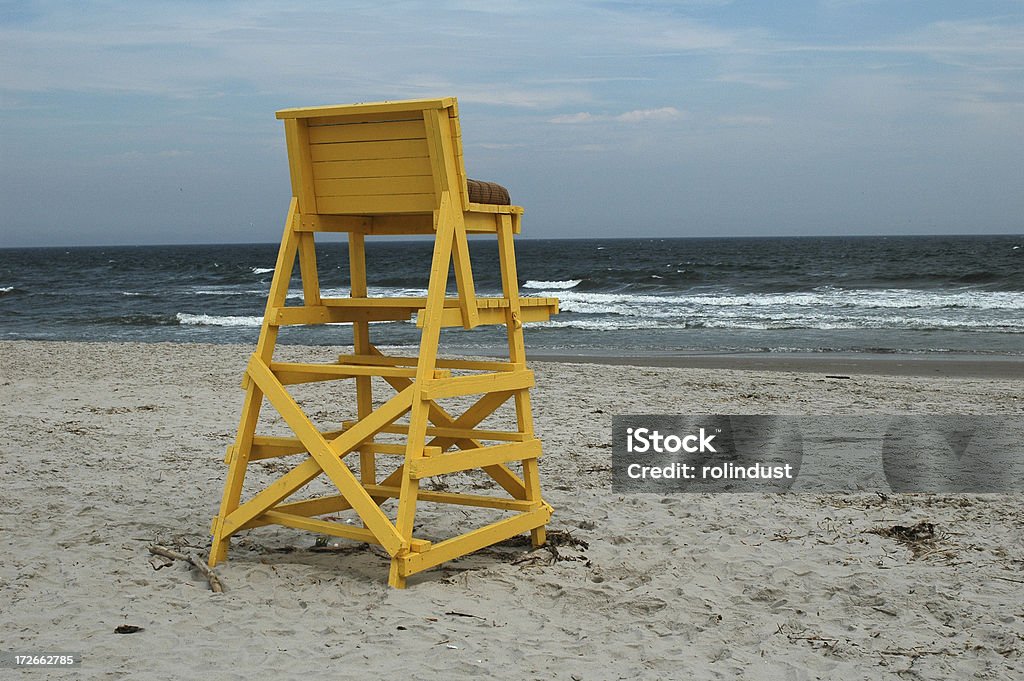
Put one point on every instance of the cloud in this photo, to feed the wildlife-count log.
(745, 120)
(755, 80)
(664, 113)
(581, 117)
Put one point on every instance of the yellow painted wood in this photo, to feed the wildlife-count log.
(500, 473)
(474, 458)
(473, 541)
(280, 489)
(252, 405)
(438, 389)
(458, 499)
(494, 209)
(307, 266)
(390, 168)
(487, 316)
(327, 455)
(373, 360)
(375, 186)
(370, 204)
(419, 412)
(361, 342)
(384, 149)
(322, 314)
(336, 503)
(358, 118)
(401, 106)
(300, 162)
(301, 372)
(334, 223)
(366, 132)
(368, 168)
(273, 446)
(454, 434)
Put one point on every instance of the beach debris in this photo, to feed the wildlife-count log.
(919, 538)
(839, 376)
(453, 613)
(549, 553)
(127, 629)
(193, 558)
(922, 531)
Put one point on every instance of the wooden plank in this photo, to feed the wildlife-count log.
(289, 316)
(369, 150)
(327, 455)
(253, 403)
(336, 503)
(333, 223)
(273, 446)
(366, 132)
(454, 433)
(376, 360)
(460, 164)
(420, 409)
(501, 473)
(357, 118)
(308, 270)
(300, 165)
(361, 340)
(367, 108)
(450, 318)
(280, 489)
(368, 205)
(392, 167)
(480, 223)
(517, 353)
(333, 529)
(342, 370)
(487, 535)
(375, 186)
(494, 209)
(474, 458)
(403, 224)
(455, 498)
(438, 389)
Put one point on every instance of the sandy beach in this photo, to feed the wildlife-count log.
(109, 448)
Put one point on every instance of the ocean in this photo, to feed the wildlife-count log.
(930, 295)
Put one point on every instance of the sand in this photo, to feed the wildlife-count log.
(108, 448)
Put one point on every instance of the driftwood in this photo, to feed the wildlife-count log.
(195, 560)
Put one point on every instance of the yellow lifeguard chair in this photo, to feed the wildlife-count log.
(391, 168)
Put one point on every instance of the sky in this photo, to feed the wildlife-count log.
(153, 122)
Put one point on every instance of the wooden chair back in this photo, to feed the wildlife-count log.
(376, 159)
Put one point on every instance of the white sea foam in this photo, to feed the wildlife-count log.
(552, 285)
(262, 270)
(827, 298)
(213, 320)
(6, 289)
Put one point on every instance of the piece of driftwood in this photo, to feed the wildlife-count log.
(195, 560)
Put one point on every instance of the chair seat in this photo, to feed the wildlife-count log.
(488, 192)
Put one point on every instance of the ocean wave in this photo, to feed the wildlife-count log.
(786, 324)
(187, 319)
(552, 285)
(7, 290)
(262, 270)
(825, 297)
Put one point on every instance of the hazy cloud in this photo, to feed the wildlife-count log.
(827, 115)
